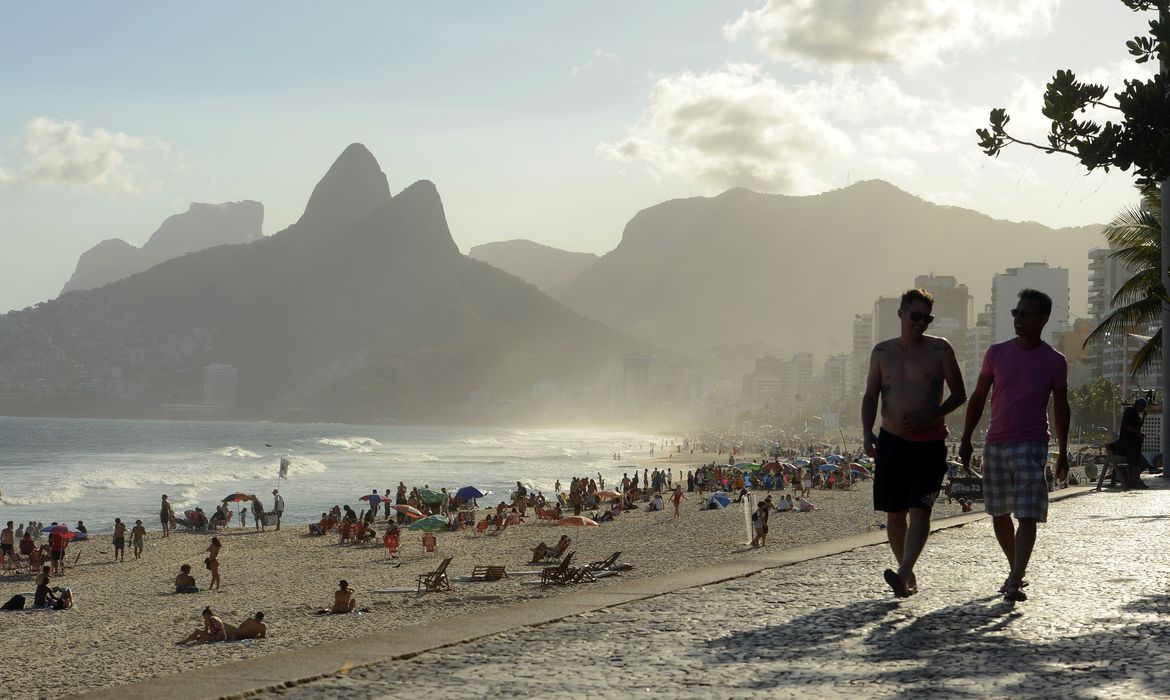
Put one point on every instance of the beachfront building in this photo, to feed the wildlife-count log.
(836, 383)
(862, 347)
(795, 381)
(1111, 357)
(952, 309)
(1006, 286)
(219, 385)
(978, 339)
(886, 323)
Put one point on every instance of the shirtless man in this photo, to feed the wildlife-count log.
(119, 540)
(252, 628)
(343, 600)
(908, 372)
(136, 536)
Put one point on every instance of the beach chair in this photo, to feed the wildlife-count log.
(488, 573)
(436, 580)
(391, 543)
(35, 561)
(429, 542)
(558, 573)
(606, 564)
(13, 562)
(482, 526)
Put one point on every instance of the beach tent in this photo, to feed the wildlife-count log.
(467, 493)
(721, 499)
(429, 523)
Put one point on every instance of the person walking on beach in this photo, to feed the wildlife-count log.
(677, 498)
(119, 540)
(136, 535)
(278, 506)
(166, 515)
(910, 452)
(212, 562)
(1025, 371)
(7, 541)
(258, 514)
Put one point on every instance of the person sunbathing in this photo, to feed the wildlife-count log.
(252, 628)
(184, 581)
(212, 630)
(343, 600)
(804, 505)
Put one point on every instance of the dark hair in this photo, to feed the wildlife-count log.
(185, 568)
(259, 616)
(207, 611)
(343, 584)
(1040, 298)
(917, 294)
(215, 541)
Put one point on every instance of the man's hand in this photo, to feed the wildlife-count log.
(1062, 467)
(870, 445)
(965, 452)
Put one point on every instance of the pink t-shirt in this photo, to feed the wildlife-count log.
(1023, 382)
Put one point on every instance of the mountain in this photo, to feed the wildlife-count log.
(793, 271)
(541, 265)
(351, 314)
(201, 226)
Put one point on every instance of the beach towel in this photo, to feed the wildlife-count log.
(16, 602)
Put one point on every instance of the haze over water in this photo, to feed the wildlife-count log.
(96, 470)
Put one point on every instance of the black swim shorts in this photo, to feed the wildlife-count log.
(907, 474)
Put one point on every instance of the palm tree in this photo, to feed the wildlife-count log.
(1136, 234)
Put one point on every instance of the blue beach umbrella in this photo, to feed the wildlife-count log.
(721, 499)
(469, 492)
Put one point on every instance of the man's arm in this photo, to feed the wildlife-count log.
(1060, 414)
(869, 402)
(974, 413)
(953, 376)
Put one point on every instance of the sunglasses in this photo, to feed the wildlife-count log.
(920, 316)
(1024, 313)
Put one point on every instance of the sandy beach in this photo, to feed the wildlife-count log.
(127, 619)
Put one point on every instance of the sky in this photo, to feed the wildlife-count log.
(551, 121)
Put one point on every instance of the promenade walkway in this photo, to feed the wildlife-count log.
(1096, 625)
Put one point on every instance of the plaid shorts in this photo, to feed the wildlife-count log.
(1013, 480)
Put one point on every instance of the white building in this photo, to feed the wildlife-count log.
(1005, 289)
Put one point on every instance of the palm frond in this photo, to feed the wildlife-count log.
(1148, 356)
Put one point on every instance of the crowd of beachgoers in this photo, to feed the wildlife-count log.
(198, 578)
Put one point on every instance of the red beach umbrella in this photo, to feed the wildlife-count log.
(578, 521)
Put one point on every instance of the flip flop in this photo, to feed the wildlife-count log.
(895, 581)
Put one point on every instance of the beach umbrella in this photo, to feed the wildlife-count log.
(64, 531)
(409, 511)
(430, 497)
(608, 495)
(857, 468)
(753, 467)
(578, 521)
(429, 523)
(828, 468)
(801, 462)
(369, 496)
(239, 496)
(469, 492)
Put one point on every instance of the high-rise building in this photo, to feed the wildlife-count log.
(978, 340)
(886, 323)
(837, 369)
(951, 299)
(795, 380)
(1111, 356)
(1005, 289)
(862, 347)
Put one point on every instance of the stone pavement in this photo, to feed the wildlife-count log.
(1096, 625)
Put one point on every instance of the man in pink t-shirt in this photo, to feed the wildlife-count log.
(1025, 371)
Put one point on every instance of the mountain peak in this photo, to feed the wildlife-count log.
(352, 188)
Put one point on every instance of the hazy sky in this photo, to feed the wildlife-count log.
(553, 121)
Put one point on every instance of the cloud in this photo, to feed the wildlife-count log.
(597, 59)
(738, 127)
(909, 33)
(62, 153)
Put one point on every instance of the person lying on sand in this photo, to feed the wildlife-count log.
(185, 582)
(252, 628)
(211, 631)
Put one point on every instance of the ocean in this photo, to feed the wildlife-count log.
(65, 470)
